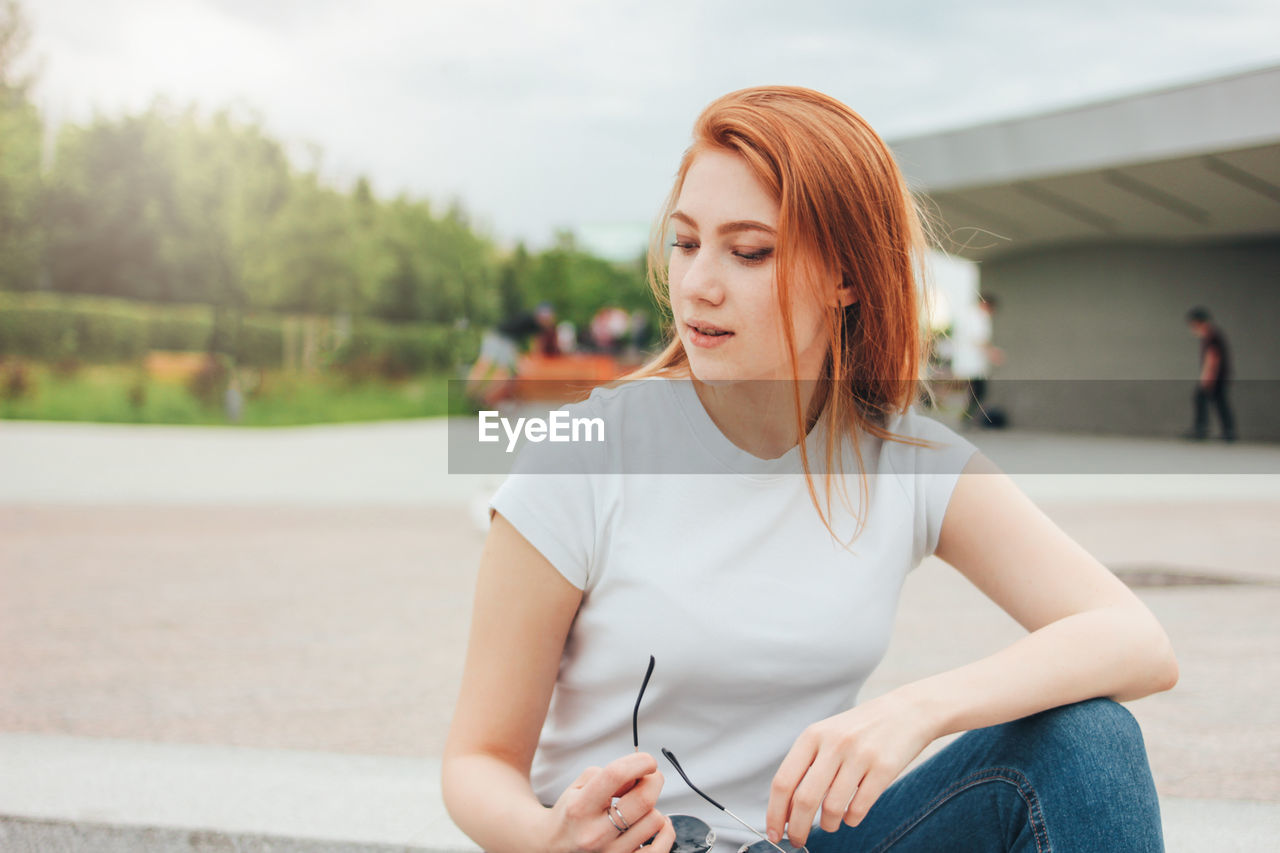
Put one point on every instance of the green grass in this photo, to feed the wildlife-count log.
(106, 394)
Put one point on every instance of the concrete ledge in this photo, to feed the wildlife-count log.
(20, 835)
(70, 794)
(1223, 826)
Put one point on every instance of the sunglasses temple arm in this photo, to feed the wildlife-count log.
(670, 756)
(635, 715)
(676, 764)
(763, 837)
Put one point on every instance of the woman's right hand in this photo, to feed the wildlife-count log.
(580, 818)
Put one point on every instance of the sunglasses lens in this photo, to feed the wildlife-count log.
(766, 847)
(692, 834)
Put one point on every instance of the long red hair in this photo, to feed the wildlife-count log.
(845, 214)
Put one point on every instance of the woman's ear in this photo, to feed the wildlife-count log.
(844, 294)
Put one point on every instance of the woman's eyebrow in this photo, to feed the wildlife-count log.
(685, 218)
(728, 227)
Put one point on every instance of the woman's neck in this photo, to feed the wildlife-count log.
(759, 416)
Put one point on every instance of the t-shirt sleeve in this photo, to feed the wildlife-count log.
(550, 498)
(935, 470)
(556, 513)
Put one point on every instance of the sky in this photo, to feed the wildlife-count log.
(548, 114)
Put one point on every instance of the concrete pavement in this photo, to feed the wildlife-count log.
(406, 463)
(256, 596)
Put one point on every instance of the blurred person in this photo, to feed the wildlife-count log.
(567, 336)
(609, 328)
(233, 399)
(547, 342)
(637, 332)
(1215, 374)
(938, 365)
(493, 375)
(795, 339)
(972, 358)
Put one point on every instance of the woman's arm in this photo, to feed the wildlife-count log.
(1089, 636)
(523, 611)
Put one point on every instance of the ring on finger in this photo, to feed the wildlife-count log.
(614, 810)
(609, 814)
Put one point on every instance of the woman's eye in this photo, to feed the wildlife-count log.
(685, 246)
(755, 257)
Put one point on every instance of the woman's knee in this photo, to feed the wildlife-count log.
(1101, 724)
(1097, 740)
(1102, 786)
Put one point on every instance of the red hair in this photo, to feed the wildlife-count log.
(845, 215)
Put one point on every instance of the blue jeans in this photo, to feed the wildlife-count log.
(1073, 779)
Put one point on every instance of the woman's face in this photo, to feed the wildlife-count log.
(722, 279)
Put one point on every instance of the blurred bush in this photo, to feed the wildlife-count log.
(70, 330)
(15, 381)
(396, 351)
(209, 383)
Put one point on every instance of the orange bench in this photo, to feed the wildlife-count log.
(563, 378)
(168, 365)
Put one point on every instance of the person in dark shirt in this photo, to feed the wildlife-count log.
(1215, 374)
(547, 342)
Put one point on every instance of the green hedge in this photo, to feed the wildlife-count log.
(56, 327)
(55, 334)
(50, 327)
(169, 332)
(261, 342)
(402, 350)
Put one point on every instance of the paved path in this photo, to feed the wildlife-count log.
(344, 629)
(309, 590)
(406, 463)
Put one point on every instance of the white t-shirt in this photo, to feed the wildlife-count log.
(760, 623)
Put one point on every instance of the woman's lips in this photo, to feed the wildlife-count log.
(700, 338)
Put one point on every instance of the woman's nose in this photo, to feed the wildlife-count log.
(702, 281)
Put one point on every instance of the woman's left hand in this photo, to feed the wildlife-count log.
(841, 765)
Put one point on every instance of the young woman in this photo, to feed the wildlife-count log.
(715, 528)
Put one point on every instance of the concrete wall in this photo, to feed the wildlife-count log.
(1110, 318)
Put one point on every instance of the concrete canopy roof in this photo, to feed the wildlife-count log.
(1195, 162)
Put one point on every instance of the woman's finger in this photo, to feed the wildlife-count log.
(809, 796)
(664, 840)
(641, 831)
(581, 781)
(836, 806)
(785, 782)
(642, 798)
(617, 776)
(627, 788)
(873, 785)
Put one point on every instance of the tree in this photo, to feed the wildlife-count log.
(15, 38)
(166, 206)
(440, 270)
(306, 262)
(21, 238)
(513, 282)
(578, 284)
(231, 183)
(111, 211)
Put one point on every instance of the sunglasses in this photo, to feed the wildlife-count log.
(694, 835)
